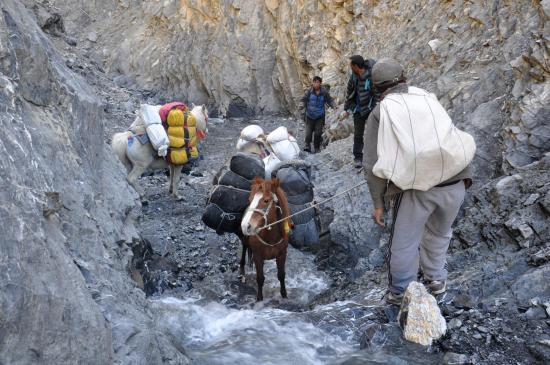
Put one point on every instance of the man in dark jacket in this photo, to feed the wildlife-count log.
(314, 101)
(422, 220)
(360, 100)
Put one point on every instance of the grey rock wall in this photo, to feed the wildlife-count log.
(486, 59)
(66, 217)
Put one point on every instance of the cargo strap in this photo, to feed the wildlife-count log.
(229, 216)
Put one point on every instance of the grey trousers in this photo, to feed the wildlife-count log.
(421, 232)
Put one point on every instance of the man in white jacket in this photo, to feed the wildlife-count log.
(422, 220)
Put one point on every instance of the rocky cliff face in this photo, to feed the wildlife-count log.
(487, 59)
(66, 216)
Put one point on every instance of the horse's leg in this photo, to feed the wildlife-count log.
(281, 273)
(243, 261)
(259, 262)
(133, 176)
(175, 176)
(171, 179)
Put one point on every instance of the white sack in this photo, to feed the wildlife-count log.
(418, 145)
(150, 114)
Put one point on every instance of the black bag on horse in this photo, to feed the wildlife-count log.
(229, 178)
(229, 198)
(247, 165)
(220, 221)
(225, 208)
(295, 178)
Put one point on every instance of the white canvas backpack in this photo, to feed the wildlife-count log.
(418, 145)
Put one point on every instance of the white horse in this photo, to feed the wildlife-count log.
(138, 158)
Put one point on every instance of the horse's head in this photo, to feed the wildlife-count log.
(201, 116)
(266, 198)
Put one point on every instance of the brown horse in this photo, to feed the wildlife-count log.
(267, 204)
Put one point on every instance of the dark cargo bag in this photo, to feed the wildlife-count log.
(303, 217)
(295, 177)
(229, 199)
(220, 221)
(247, 165)
(305, 235)
(229, 178)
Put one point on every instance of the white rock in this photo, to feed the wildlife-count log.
(92, 37)
(531, 199)
(434, 44)
(420, 317)
(515, 129)
(525, 230)
(454, 323)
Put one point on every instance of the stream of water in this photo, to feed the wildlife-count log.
(214, 333)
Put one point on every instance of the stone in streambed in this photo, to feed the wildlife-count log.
(420, 317)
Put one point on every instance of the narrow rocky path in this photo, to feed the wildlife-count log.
(334, 308)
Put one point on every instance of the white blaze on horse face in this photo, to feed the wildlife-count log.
(246, 226)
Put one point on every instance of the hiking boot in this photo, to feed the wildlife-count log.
(393, 298)
(436, 287)
(357, 163)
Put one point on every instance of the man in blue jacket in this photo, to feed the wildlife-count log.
(314, 101)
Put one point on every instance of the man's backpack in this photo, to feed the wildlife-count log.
(418, 145)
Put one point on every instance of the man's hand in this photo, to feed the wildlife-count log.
(377, 216)
(344, 115)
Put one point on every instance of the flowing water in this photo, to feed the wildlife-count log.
(240, 331)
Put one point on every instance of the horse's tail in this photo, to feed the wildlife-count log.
(119, 144)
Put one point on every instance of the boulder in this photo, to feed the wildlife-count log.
(420, 317)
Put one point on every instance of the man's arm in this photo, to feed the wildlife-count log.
(377, 186)
(349, 92)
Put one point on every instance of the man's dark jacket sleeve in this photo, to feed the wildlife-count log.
(350, 94)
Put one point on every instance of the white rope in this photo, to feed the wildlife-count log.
(314, 205)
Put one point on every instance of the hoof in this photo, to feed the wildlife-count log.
(144, 202)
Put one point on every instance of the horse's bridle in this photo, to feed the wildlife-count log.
(265, 213)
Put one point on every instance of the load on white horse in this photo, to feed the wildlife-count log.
(139, 157)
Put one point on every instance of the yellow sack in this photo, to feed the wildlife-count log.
(182, 137)
(182, 131)
(180, 118)
(181, 156)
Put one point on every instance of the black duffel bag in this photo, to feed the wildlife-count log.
(303, 217)
(220, 221)
(247, 165)
(229, 178)
(295, 177)
(229, 199)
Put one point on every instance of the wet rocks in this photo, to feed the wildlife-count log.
(464, 301)
(420, 317)
(374, 337)
(541, 256)
(452, 358)
(454, 323)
